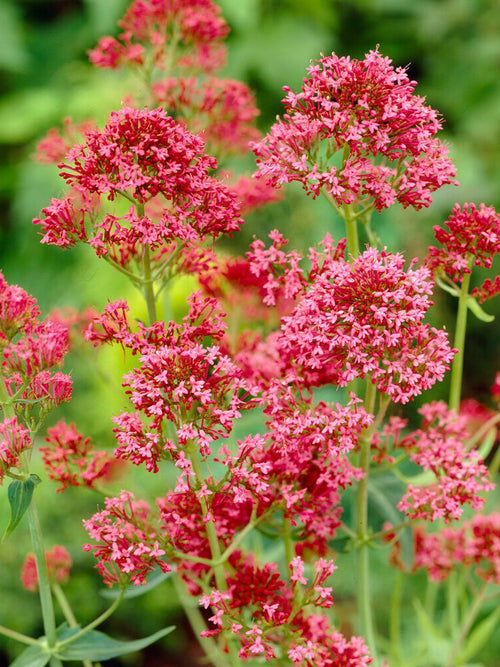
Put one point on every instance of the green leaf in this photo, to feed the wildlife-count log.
(132, 591)
(34, 656)
(19, 495)
(94, 645)
(478, 311)
(479, 636)
(454, 291)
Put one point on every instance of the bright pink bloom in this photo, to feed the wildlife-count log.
(461, 476)
(365, 318)
(127, 541)
(357, 130)
(472, 239)
(18, 310)
(58, 564)
(14, 439)
(142, 154)
(197, 25)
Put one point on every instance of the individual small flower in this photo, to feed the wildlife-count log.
(472, 239)
(14, 440)
(127, 540)
(365, 318)
(71, 460)
(357, 130)
(198, 27)
(461, 476)
(58, 564)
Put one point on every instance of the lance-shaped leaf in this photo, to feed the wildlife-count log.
(19, 494)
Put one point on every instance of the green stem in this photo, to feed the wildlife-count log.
(24, 639)
(351, 226)
(459, 343)
(363, 566)
(68, 612)
(394, 619)
(49, 622)
(466, 626)
(100, 619)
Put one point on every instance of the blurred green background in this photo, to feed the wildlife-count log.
(453, 51)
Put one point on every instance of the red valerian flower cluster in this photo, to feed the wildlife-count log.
(58, 564)
(71, 460)
(126, 529)
(357, 131)
(31, 352)
(472, 239)
(190, 31)
(460, 476)
(142, 155)
(360, 318)
(14, 439)
(474, 544)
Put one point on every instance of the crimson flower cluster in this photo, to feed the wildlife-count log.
(142, 155)
(472, 239)
(357, 130)
(193, 30)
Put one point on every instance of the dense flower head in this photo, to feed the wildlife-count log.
(127, 542)
(365, 318)
(71, 460)
(14, 439)
(141, 154)
(460, 476)
(252, 193)
(191, 32)
(58, 564)
(474, 545)
(357, 130)
(472, 239)
(223, 111)
(17, 310)
(273, 618)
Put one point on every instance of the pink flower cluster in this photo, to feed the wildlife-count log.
(357, 130)
(142, 155)
(474, 544)
(127, 541)
(58, 564)
(275, 620)
(71, 460)
(191, 31)
(365, 318)
(195, 387)
(30, 350)
(14, 439)
(461, 476)
(472, 239)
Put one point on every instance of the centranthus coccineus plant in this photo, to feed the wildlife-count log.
(254, 526)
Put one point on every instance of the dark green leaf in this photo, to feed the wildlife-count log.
(94, 645)
(19, 495)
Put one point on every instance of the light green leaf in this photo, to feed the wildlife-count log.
(478, 311)
(19, 495)
(34, 656)
(479, 636)
(94, 645)
(454, 291)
